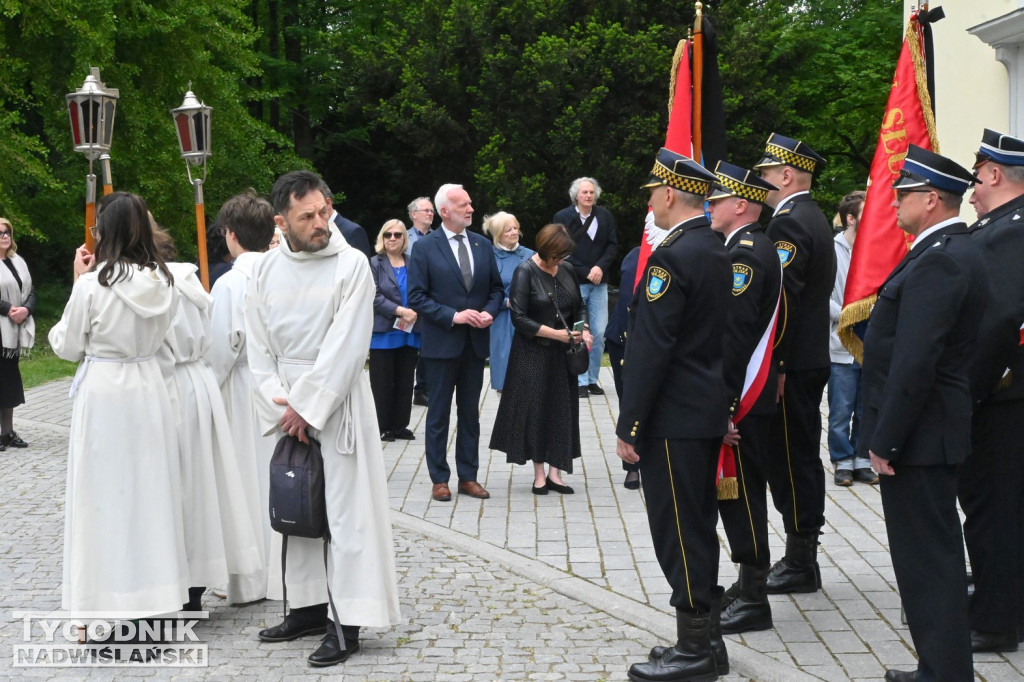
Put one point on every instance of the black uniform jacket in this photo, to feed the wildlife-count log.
(917, 352)
(1000, 234)
(672, 375)
(599, 251)
(756, 278)
(803, 238)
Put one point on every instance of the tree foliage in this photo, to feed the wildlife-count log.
(513, 98)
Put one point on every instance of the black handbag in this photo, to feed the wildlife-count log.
(577, 355)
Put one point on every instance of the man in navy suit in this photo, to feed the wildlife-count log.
(353, 233)
(455, 286)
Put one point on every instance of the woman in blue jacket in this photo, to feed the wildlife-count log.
(503, 228)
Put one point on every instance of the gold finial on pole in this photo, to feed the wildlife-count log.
(697, 17)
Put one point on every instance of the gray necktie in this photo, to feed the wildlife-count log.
(467, 271)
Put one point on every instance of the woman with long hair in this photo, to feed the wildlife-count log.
(123, 539)
(17, 331)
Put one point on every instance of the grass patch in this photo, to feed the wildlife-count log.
(42, 364)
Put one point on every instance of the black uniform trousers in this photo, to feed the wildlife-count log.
(391, 377)
(745, 519)
(990, 495)
(926, 545)
(616, 352)
(682, 508)
(793, 462)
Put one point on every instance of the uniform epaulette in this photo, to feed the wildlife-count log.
(676, 234)
(785, 211)
(746, 243)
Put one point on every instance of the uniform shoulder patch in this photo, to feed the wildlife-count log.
(787, 252)
(741, 276)
(785, 211)
(748, 243)
(658, 280)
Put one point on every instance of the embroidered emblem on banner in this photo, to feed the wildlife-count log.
(741, 276)
(787, 252)
(658, 280)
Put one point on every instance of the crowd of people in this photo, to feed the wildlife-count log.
(722, 343)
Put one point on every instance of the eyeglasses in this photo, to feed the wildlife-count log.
(901, 194)
(392, 235)
(5, 233)
(424, 210)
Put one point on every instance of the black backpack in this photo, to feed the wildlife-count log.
(297, 503)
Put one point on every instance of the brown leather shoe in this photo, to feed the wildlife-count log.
(473, 489)
(441, 493)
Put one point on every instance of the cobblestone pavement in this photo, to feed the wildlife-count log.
(512, 588)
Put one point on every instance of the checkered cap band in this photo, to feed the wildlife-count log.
(742, 190)
(683, 183)
(790, 158)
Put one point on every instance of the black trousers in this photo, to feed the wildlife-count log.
(746, 519)
(616, 352)
(391, 375)
(928, 558)
(990, 495)
(793, 461)
(682, 509)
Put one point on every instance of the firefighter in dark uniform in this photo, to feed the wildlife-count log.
(916, 426)
(674, 411)
(993, 478)
(803, 239)
(735, 206)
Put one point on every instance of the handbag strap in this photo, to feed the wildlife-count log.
(551, 296)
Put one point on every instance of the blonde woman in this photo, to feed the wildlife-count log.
(503, 228)
(395, 343)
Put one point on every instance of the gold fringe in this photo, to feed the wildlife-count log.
(854, 314)
(728, 488)
(1004, 382)
(676, 58)
(913, 38)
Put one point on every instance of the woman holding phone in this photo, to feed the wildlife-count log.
(538, 416)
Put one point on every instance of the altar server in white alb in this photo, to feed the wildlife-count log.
(309, 316)
(220, 540)
(124, 548)
(247, 222)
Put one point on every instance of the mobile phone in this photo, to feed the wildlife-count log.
(578, 327)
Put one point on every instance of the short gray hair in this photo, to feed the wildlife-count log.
(325, 190)
(495, 224)
(574, 189)
(1014, 174)
(441, 198)
(414, 205)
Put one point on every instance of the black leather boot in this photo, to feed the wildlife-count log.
(797, 571)
(691, 659)
(750, 610)
(714, 634)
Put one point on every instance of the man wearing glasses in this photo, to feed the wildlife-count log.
(916, 428)
(421, 212)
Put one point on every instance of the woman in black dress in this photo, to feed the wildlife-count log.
(17, 331)
(538, 416)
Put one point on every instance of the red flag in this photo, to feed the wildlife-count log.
(880, 243)
(679, 137)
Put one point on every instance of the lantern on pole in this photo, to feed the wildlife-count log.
(91, 111)
(192, 123)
